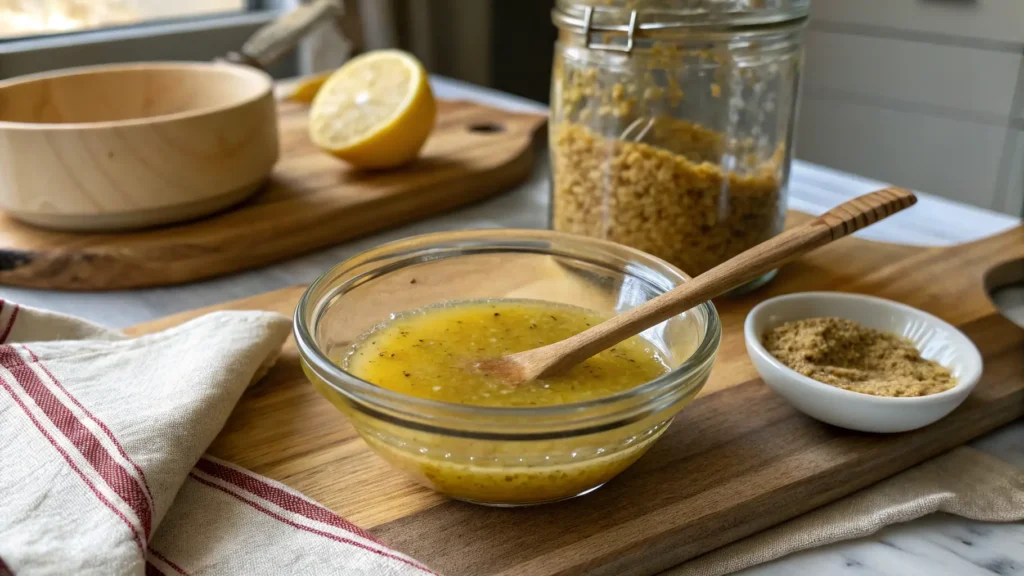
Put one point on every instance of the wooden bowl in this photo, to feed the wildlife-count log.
(134, 145)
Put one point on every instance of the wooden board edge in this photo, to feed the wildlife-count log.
(104, 270)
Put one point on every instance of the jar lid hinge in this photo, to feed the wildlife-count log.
(589, 27)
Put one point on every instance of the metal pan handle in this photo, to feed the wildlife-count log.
(282, 35)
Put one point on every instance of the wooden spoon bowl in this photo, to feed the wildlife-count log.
(134, 145)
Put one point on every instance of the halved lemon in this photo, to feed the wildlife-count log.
(306, 89)
(376, 111)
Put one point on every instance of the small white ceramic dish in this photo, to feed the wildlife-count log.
(937, 340)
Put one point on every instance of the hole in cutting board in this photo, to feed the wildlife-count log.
(486, 128)
(1005, 286)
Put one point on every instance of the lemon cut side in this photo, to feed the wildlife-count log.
(376, 111)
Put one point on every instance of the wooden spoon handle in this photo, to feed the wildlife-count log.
(840, 221)
(744, 267)
(865, 210)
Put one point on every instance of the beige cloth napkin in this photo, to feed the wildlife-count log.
(101, 457)
(965, 482)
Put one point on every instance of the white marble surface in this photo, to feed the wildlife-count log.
(934, 545)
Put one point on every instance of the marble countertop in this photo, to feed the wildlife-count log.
(934, 545)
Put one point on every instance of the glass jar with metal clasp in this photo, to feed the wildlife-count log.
(672, 123)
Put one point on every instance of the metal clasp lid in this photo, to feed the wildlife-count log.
(588, 27)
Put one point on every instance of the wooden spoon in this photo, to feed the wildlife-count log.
(842, 220)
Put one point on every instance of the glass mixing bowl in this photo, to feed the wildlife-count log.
(495, 455)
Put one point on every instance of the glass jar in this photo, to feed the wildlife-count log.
(672, 123)
(503, 456)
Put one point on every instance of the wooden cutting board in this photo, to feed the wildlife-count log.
(734, 462)
(312, 201)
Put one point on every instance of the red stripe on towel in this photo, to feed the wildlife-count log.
(164, 559)
(120, 449)
(9, 356)
(283, 498)
(126, 486)
(39, 426)
(288, 522)
(10, 323)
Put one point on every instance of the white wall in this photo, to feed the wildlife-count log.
(927, 94)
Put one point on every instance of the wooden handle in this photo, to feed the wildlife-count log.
(744, 267)
(865, 210)
(275, 39)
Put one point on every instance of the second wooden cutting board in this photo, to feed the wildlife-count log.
(735, 461)
(312, 201)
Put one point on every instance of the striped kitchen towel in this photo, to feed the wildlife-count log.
(101, 456)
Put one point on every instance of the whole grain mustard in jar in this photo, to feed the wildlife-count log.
(672, 123)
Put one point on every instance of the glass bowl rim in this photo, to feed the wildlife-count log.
(371, 394)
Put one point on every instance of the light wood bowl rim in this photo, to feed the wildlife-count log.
(265, 89)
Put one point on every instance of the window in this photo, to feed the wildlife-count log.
(21, 18)
(41, 35)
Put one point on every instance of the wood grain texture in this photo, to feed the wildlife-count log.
(272, 41)
(311, 201)
(736, 461)
(131, 145)
(865, 210)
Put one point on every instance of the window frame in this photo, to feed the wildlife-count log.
(197, 38)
